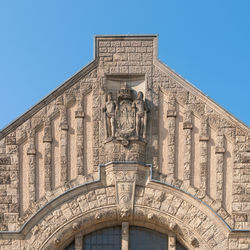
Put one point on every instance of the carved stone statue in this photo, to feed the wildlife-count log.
(110, 109)
(140, 115)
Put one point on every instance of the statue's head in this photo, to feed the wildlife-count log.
(140, 95)
(109, 96)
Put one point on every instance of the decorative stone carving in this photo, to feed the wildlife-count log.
(125, 197)
(120, 151)
(187, 126)
(171, 116)
(110, 110)
(47, 131)
(125, 122)
(47, 140)
(31, 141)
(220, 147)
(151, 216)
(79, 116)
(63, 118)
(194, 242)
(204, 138)
(126, 173)
(125, 119)
(141, 115)
(125, 113)
(35, 230)
(174, 226)
(76, 226)
(220, 150)
(125, 212)
(31, 152)
(63, 142)
(79, 113)
(11, 139)
(98, 216)
(222, 173)
(57, 241)
(5, 160)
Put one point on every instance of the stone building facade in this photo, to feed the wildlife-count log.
(125, 142)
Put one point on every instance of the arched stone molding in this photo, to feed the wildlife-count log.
(153, 205)
(107, 216)
(201, 196)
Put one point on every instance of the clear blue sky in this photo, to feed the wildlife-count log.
(43, 43)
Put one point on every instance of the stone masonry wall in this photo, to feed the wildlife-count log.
(58, 145)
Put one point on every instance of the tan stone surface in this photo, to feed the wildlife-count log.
(200, 158)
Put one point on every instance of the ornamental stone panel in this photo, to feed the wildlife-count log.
(125, 141)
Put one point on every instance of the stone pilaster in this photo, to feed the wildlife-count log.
(64, 144)
(171, 242)
(78, 242)
(204, 138)
(31, 152)
(220, 150)
(79, 115)
(187, 127)
(171, 116)
(96, 118)
(125, 236)
(47, 140)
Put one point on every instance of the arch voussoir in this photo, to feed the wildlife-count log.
(155, 206)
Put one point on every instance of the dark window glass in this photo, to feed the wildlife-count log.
(146, 239)
(179, 246)
(106, 239)
(139, 239)
(70, 247)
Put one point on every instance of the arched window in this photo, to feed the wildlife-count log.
(146, 239)
(106, 239)
(139, 239)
